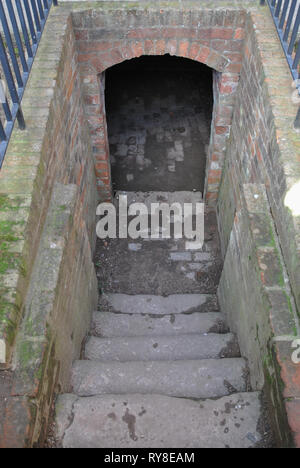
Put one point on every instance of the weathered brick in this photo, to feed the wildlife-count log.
(171, 47)
(194, 50)
(145, 33)
(217, 61)
(87, 47)
(127, 52)
(81, 35)
(235, 57)
(203, 55)
(149, 47)
(138, 48)
(221, 130)
(234, 67)
(183, 48)
(160, 47)
(221, 33)
(239, 33)
(293, 412)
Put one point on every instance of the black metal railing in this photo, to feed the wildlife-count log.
(286, 16)
(21, 27)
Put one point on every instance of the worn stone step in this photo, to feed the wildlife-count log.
(207, 378)
(109, 325)
(149, 421)
(162, 348)
(153, 305)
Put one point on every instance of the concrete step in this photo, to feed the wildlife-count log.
(162, 348)
(207, 378)
(150, 421)
(153, 305)
(109, 325)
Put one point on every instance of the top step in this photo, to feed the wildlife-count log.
(158, 305)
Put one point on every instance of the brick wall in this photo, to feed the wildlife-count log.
(255, 295)
(47, 279)
(253, 144)
(54, 147)
(210, 36)
(260, 286)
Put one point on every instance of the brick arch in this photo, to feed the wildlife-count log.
(196, 51)
(97, 56)
(212, 36)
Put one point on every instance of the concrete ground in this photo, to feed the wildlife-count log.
(159, 115)
(142, 421)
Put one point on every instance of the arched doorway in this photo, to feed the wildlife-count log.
(159, 111)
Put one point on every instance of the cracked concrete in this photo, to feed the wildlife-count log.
(131, 421)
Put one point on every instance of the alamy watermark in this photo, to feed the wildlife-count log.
(296, 353)
(158, 221)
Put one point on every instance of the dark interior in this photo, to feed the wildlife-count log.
(159, 112)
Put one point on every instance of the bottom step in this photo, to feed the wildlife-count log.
(137, 421)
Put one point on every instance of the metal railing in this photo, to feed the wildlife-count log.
(286, 16)
(21, 26)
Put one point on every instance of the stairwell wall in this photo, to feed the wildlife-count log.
(48, 200)
(259, 228)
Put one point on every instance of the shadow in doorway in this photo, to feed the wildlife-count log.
(159, 112)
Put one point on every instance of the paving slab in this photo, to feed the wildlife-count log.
(143, 421)
(153, 305)
(207, 378)
(109, 325)
(162, 348)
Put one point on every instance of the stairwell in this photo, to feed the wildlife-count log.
(78, 152)
(160, 367)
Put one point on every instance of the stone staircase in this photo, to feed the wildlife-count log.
(159, 371)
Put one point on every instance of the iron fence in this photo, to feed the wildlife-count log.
(286, 16)
(21, 27)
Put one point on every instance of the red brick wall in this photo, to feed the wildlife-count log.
(55, 147)
(261, 279)
(214, 38)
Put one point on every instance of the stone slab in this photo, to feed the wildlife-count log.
(109, 325)
(162, 348)
(211, 378)
(150, 304)
(136, 421)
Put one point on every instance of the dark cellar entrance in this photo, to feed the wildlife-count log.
(159, 112)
